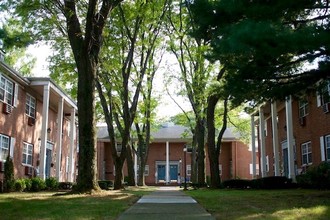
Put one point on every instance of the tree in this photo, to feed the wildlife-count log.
(15, 42)
(82, 23)
(195, 73)
(270, 49)
(137, 27)
(9, 175)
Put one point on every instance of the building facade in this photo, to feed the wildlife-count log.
(169, 161)
(293, 134)
(37, 127)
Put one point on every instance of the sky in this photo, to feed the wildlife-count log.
(167, 107)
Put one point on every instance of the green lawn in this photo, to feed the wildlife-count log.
(265, 204)
(47, 205)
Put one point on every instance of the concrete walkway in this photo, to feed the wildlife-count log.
(166, 203)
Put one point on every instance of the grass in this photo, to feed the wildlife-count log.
(50, 205)
(264, 204)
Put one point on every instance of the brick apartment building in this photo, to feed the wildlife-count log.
(37, 127)
(165, 162)
(293, 134)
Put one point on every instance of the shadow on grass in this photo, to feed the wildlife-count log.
(44, 205)
(265, 204)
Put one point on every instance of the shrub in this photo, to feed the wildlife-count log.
(20, 185)
(275, 182)
(105, 184)
(237, 184)
(38, 184)
(65, 185)
(51, 183)
(28, 184)
(9, 181)
(317, 177)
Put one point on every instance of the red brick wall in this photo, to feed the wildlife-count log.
(16, 125)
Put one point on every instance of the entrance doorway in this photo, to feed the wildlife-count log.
(161, 171)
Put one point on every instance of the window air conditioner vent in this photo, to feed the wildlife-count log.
(302, 121)
(31, 121)
(28, 171)
(6, 108)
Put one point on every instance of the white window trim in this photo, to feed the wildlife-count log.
(12, 101)
(30, 107)
(327, 146)
(306, 144)
(303, 104)
(26, 154)
(188, 170)
(1, 146)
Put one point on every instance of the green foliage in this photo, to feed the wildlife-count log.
(28, 184)
(266, 55)
(9, 180)
(38, 184)
(20, 185)
(51, 183)
(317, 177)
(105, 184)
(15, 43)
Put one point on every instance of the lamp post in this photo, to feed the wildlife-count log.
(185, 167)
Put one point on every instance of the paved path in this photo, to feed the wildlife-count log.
(168, 203)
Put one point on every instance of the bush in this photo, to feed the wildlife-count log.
(65, 185)
(52, 183)
(237, 184)
(28, 184)
(105, 184)
(9, 181)
(275, 182)
(20, 185)
(38, 184)
(317, 177)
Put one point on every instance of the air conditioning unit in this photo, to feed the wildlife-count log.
(28, 171)
(302, 121)
(326, 107)
(6, 108)
(31, 121)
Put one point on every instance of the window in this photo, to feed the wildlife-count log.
(220, 169)
(4, 147)
(146, 170)
(306, 150)
(303, 108)
(27, 154)
(188, 170)
(30, 108)
(327, 147)
(325, 94)
(6, 90)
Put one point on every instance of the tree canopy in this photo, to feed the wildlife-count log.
(270, 49)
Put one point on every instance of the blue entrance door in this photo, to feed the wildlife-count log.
(161, 172)
(174, 172)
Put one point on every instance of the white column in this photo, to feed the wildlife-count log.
(289, 132)
(167, 169)
(253, 144)
(44, 126)
(275, 139)
(72, 145)
(59, 139)
(262, 142)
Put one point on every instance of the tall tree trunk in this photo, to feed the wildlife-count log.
(194, 168)
(130, 166)
(212, 150)
(200, 134)
(87, 174)
(118, 184)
